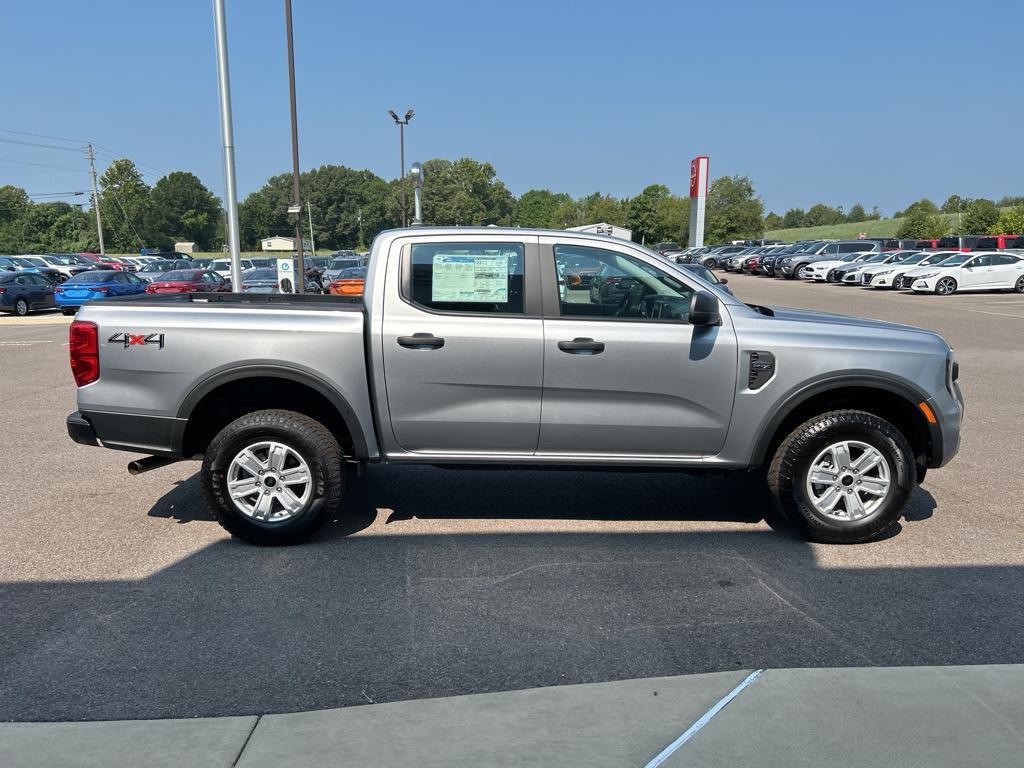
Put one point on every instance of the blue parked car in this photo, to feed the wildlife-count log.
(96, 284)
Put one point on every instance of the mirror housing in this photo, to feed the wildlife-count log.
(723, 281)
(704, 309)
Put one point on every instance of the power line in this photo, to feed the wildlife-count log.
(42, 165)
(44, 146)
(43, 136)
(125, 213)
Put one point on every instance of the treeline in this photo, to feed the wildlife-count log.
(962, 216)
(819, 215)
(350, 207)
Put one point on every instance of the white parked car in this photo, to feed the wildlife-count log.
(824, 271)
(851, 274)
(892, 275)
(223, 266)
(989, 271)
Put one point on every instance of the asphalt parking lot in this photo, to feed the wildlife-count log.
(121, 598)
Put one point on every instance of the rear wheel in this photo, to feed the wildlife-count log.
(273, 477)
(1019, 286)
(842, 477)
(946, 286)
(21, 307)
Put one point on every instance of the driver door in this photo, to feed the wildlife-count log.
(625, 374)
(978, 273)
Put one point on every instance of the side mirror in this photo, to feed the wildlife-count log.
(704, 309)
(723, 280)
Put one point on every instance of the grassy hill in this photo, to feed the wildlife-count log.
(846, 231)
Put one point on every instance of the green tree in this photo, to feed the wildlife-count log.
(13, 202)
(820, 215)
(538, 208)
(793, 218)
(673, 220)
(980, 217)
(955, 204)
(464, 192)
(922, 222)
(128, 220)
(857, 213)
(733, 210)
(184, 209)
(597, 208)
(569, 213)
(773, 221)
(642, 214)
(875, 214)
(1011, 220)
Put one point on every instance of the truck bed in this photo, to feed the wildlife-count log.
(307, 301)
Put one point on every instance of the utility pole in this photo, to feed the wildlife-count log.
(312, 240)
(96, 200)
(227, 133)
(401, 123)
(300, 278)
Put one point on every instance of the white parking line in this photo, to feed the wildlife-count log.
(1001, 314)
(690, 732)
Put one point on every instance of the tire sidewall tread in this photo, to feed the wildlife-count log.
(310, 438)
(791, 462)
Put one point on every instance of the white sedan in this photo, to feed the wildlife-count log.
(970, 272)
(822, 271)
(891, 275)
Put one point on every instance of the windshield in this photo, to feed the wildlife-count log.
(21, 262)
(99, 276)
(905, 258)
(955, 261)
(180, 275)
(261, 274)
(158, 266)
(344, 263)
(201, 263)
(63, 261)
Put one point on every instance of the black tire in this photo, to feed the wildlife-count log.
(792, 462)
(897, 282)
(946, 286)
(711, 264)
(796, 271)
(307, 437)
(66, 311)
(1019, 286)
(21, 308)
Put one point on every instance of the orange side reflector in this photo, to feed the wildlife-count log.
(927, 412)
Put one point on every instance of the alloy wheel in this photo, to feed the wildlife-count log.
(269, 481)
(21, 307)
(848, 481)
(946, 286)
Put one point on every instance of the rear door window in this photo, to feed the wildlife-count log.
(467, 277)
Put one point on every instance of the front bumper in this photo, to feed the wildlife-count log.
(923, 286)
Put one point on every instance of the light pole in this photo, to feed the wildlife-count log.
(401, 123)
(296, 206)
(227, 134)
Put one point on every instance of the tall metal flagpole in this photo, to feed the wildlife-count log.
(227, 133)
(300, 277)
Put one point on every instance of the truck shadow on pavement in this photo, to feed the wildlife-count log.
(237, 629)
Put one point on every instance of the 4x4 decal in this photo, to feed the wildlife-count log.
(137, 339)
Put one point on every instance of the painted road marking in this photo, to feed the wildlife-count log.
(690, 732)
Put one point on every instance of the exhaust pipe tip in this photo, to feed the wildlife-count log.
(148, 463)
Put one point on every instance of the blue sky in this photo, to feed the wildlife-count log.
(877, 102)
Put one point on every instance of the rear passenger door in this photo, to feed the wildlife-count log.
(1007, 270)
(462, 339)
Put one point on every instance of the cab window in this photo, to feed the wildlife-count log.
(594, 282)
(467, 277)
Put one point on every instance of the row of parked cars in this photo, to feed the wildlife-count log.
(66, 281)
(944, 266)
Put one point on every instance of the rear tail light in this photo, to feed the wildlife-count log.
(101, 289)
(3, 291)
(150, 289)
(85, 352)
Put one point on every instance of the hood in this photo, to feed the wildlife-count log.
(830, 318)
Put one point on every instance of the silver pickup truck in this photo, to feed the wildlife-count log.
(515, 347)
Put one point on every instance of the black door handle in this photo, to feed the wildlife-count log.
(581, 345)
(421, 341)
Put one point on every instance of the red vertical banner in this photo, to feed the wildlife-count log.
(698, 174)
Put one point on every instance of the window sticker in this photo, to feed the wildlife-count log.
(458, 278)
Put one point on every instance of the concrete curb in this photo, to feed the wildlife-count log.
(904, 716)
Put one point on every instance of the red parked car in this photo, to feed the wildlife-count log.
(750, 264)
(189, 281)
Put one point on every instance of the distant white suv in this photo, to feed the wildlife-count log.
(990, 271)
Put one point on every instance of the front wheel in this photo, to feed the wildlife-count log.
(711, 264)
(842, 477)
(1019, 286)
(273, 477)
(946, 286)
(804, 273)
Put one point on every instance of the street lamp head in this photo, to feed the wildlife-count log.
(393, 115)
(408, 115)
